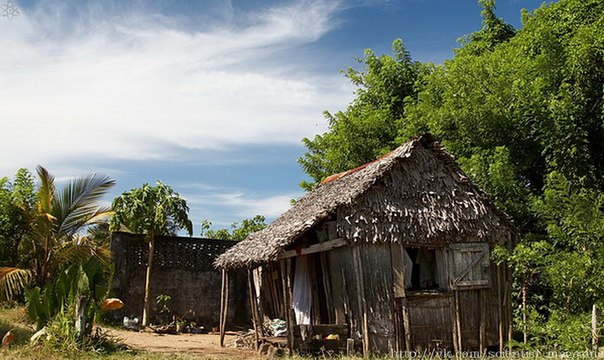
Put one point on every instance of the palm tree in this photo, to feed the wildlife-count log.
(55, 228)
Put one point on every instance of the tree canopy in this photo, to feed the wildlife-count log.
(523, 112)
(237, 231)
(151, 210)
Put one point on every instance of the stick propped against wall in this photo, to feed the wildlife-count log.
(224, 305)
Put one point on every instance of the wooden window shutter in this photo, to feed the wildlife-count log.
(469, 266)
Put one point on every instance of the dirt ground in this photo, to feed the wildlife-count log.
(205, 345)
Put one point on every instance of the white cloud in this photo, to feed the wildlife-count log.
(141, 86)
(244, 205)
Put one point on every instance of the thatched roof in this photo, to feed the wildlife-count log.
(415, 194)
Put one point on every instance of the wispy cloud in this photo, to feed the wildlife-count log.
(131, 83)
(244, 205)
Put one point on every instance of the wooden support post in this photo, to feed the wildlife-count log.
(287, 306)
(407, 324)
(508, 289)
(453, 307)
(253, 310)
(500, 287)
(224, 306)
(482, 296)
(458, 322)
(292, 316)
(358, 266)
(398, 292)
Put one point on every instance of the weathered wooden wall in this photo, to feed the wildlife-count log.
(344, 288)
(183, 270)
(367, 292)
(430, 317)
(377, 272)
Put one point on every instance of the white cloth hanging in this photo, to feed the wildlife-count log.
(302, 296)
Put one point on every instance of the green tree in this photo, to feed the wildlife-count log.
(522, 111)
(151, 210)
(17, 200)
(368, 127)
(54, 225)
(236, 232)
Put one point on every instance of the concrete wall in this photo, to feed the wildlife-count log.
(183, 270)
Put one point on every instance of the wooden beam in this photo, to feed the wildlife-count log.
(224, 294)
(482, 296)
(250, 289)
(315, 248)
(399, 291)
(287, 305)
(500, 306)
(453, 308)
(458, 322)
(407, 323)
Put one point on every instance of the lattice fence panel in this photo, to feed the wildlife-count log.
(176, 252)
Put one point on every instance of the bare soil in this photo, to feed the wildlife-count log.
(203, 345)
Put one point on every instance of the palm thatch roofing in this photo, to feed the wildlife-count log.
(416, 194)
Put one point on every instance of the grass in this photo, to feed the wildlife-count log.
(15, 319)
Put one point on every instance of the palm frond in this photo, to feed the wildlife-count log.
(78, 202)
(46, 192)
(78, 250)
(13, 281)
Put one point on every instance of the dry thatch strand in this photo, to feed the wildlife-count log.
(416, 194)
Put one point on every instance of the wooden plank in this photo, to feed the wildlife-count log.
(482, 298)
(358, 266)
(338, 290)
(315, 248)
(500, 325)
(455, 335)
(398, 270)
(407, 323)
(470, 266)
(224, 306)
(399, 291)
(508, 290)
(253, 309)
(287, 305)
(458, 322)
(327, 286)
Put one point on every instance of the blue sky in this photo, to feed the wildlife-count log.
(211, 97)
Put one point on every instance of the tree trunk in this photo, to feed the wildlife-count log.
(81, 322)
(147, 303)
(524, 334)
(595, 336)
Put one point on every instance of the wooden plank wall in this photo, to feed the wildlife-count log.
(377, 270)
(431, 326)
(470, 313)
(344, 290)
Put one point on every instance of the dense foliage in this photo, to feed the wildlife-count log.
(17, 198)
(151, 210)
(523, 112)
(236, 232)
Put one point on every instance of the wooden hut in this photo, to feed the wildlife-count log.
(389, 257)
